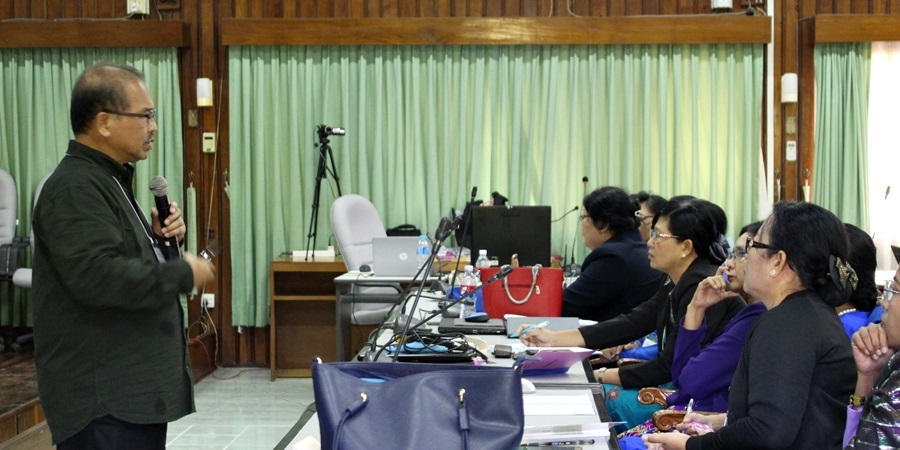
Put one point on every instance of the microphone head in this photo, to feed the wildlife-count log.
(474, 191)
(505, 270)
(584, 180)
(159, 186)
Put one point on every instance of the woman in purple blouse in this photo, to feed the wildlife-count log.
(703, 374)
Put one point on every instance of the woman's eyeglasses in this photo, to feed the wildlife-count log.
(656, 235)
(738, 255)
(890, 288)
(757, 245)
(642, 218)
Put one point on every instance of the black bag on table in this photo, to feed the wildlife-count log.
(404, 230)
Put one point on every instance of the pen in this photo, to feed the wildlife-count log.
(690, 406)
(533, 327)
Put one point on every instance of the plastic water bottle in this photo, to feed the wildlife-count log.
(467, 284)
(482, 260)
(423, 250)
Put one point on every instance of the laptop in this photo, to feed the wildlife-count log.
(395, 256)
(456, 325)
(555, 323)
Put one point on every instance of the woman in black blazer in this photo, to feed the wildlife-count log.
(616, 275)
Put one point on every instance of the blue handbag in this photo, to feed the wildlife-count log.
(380, 405)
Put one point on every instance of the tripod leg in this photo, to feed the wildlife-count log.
(337, 180)
(314, 220)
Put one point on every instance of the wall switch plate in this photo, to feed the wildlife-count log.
(138, 7)
(209, 142)
(790, 150)
(208, 301)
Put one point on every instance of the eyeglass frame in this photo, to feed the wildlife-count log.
(655, 235)
(738, 255)
(149, 115)
(642, 218)
(751, 244)
(887, 293)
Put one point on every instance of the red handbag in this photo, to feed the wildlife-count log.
(528, 291)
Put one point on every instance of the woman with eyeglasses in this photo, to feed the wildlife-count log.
(702, 374)
(854, 313)
(686, 245)
(796, 370)
(615, 275)
(873, 416)
(647, 207)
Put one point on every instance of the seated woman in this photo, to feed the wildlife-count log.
(873, 416)
(647, 207)
(854, 313)
(796, 369)
(702, 375)
(615, 276)
(686, 245)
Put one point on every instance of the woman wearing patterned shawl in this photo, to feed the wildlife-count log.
(873, 417)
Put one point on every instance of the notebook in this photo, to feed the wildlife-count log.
(456, 325)
(395, 256)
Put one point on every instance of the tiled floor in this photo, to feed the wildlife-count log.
(245, 412)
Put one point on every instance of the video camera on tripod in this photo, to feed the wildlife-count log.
(325, 130)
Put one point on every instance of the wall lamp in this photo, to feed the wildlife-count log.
(789, 88)
(205, 92)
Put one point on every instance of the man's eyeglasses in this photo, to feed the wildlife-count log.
(149, 115)
(757, 245)
(656, 235)
(739, 255)
(890, 288)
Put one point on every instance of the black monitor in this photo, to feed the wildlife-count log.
(503, 231)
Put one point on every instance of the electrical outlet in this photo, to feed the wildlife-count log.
(208, 301)
(138, 6)
(209, 142)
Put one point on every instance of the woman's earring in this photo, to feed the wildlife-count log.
(683, 255)
(773, 272)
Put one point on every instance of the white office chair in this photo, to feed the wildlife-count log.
(21, 278)
(356, 223)
(9, 210)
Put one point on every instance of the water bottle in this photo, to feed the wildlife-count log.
(423, 250)
(482, 260)
(467, 284)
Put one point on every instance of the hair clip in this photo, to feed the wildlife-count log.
(841, 272)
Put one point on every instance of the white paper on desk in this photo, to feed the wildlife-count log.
(559, 405)
(551, 433)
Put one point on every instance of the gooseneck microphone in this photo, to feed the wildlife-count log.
(160, 189)
(566, 214)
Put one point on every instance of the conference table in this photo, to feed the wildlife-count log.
(578, 381)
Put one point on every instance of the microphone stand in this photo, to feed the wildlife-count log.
(464, 226)
(503, 273)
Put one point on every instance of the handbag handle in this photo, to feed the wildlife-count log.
(534, 274)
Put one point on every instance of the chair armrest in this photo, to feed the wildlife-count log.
(667, 419)
(651, 395)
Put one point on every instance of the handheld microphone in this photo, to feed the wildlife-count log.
(566, 214)
(160, 189)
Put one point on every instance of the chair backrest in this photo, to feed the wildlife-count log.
(9, 208)
(37, 195)
(356, 223)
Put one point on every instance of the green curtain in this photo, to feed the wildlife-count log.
(35, 91)
(840, 162)
(426, 123)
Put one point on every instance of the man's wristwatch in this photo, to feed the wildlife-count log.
(857, 401)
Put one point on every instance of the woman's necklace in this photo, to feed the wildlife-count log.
(846, 311)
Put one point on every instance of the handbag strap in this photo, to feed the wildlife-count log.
(348, 413)
(534, 274)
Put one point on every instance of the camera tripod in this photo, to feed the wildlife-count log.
(326, 157)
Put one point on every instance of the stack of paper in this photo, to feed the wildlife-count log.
(583, 434)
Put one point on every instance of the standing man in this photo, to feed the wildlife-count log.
(110, 345)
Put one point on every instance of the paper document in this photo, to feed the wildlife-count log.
(554, 360)
(551, 434)
(559, 405)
